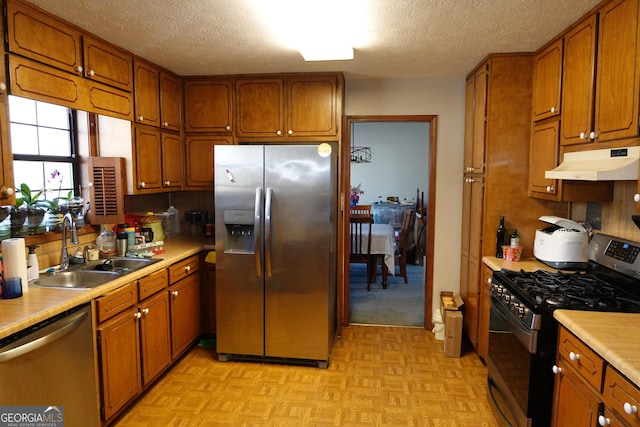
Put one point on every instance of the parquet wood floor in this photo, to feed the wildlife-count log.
(378, 376)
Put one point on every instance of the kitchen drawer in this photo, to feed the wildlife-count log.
(184, 268)
(152, 283)
(116, 301)
(581, 357)
(622, 396)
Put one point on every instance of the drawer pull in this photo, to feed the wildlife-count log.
(603, 421)
(574, 356)
(187, 268)
(630, 409)
(556, 369)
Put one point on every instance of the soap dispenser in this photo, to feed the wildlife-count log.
(33, 268)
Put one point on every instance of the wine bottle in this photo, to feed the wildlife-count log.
(515, 238)
(501, 237)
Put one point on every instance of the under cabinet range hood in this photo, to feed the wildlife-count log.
(614, 164)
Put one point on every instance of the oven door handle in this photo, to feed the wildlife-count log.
(528, 338)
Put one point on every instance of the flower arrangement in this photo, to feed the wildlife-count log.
(58, 205)
(355, 195)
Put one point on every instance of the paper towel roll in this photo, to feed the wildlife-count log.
(14, 260)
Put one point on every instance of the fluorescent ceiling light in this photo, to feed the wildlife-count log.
(326, 52)
(315, 29)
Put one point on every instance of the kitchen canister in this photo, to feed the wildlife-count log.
(155, 224)
(14, 259)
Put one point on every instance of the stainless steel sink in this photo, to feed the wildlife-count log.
(76, 279)
(118, 265)
(94, 273)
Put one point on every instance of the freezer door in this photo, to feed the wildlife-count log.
(300, 194)
(238, 175)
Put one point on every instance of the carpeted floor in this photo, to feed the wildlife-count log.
(399, 305)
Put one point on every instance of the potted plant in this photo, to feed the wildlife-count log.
(29, 205)
(58, 206)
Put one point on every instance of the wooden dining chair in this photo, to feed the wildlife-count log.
(403, 243)
(360, 249)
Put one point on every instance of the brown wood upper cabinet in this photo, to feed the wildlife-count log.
(199, 160)
(475, 121)
(611, 96)
(34, 34)
(291, 106)
(170, 101)
(208, 105)
(547, 77)
(146, 93)
(158, 160)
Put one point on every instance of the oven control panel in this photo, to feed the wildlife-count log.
(615, 253)
(622, 251)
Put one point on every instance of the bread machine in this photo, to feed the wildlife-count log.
(562, 245)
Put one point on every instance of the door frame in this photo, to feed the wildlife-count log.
(345, 172)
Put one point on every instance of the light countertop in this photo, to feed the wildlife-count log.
(525, 263)
(39, 304)
(614, 336)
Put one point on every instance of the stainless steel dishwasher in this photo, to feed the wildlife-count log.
(53, 364)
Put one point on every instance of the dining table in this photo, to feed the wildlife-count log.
(383, 244)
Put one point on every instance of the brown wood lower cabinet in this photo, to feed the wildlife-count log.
(185, 313)
(119, 362)
(575, 402)
(184, 291)
(208, 299)
(141, 328)
(588, 391)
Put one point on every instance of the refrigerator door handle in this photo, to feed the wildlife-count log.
(267, 232)
(257, 220)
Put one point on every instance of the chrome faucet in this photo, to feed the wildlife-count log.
(67, 222)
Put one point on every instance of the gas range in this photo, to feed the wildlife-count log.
(611, 282)
(523, 332)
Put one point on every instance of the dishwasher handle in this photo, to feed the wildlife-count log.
(63, 327)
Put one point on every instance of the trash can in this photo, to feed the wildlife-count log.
(438, 325)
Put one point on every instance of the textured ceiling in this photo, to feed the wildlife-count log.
(407, 38)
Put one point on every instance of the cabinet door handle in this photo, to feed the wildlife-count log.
(583, 135)
(227, 127)
(290, 131)
(603, 421)
(143, 184)
(91, 73)
(636, 197)
(141, 118)
(549, 189)
(556, 369)
(593, 135)
(3, 86)
(630, 409)
(79, 68)
(174, 293)
(278, 132)
(145, 311)
(137, 315)
(553, 109)
(165, 124)
(574, 356)
(167, 183)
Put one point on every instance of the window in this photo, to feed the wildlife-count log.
(43, 144)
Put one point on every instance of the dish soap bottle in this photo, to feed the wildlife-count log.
(515, 238)
(501, 237)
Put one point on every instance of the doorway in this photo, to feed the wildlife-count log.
(417, 187)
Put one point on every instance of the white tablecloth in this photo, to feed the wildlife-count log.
(382, 239)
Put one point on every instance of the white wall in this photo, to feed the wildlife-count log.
(443, 97)
(399, 160)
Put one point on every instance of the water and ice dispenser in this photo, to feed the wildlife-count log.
(239, 229)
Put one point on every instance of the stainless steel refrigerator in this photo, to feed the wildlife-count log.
(276, 261)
